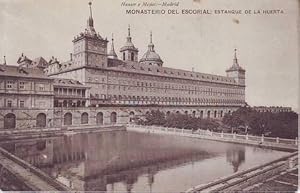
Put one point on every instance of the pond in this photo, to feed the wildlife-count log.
(137, 162)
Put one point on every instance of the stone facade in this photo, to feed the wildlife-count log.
(26, 98)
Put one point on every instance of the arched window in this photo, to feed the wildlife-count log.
(68, 119)
(84, 118)
(132, 56)
(131, 116)
(123, 55)
(113, 118)
(168, 113)
(10, 121)
(201, 114)
(194, 113)
(221, 114)
(41, 120)
(99, 118)
(208, 114)
(215, 114)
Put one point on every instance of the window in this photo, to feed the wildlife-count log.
(9, 103)
(22, 104)
(22, 85)
(132, 56)
(9, 84)
(123, 55)
(41, 87)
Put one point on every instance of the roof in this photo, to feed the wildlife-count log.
(68, 82)
(151, 56)
(235, 68)
(16, 71)
(39, 62)
(135, 67)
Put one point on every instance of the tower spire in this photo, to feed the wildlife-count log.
(151, 45)
(112, 52)
(128, 30)
(90, 20)
(4, 62)
(235, 60)
(129, 37)
(90, 4)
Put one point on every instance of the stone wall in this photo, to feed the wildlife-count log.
(27, 118)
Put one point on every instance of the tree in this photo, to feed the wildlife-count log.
(284, 124)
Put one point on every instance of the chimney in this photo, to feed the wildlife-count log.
(71, 56)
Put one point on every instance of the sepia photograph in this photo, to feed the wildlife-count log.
(149, 96)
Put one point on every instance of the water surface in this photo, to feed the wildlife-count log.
(137, 162)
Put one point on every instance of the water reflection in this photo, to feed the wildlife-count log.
(133, 162)
(236, 156)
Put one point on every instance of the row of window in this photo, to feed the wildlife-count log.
(21, 104)
(174, 86)
(175, 72)
(70, 92)
(10, 85)
(168, 99)
(9, 103)
(210, 92)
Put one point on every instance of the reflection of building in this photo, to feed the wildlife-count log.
(236, 156)
(272, 109)
(91, 161)
(102, 89)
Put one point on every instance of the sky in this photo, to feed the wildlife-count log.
(267, 44)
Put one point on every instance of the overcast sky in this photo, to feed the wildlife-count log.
(267, 44)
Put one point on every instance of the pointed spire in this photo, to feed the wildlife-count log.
(128, 37)
(129, 30)
(112, 52)
(235, 60)
(90, 4)
(151, 45)
(235, 66)
(90, 20)
(4, 62)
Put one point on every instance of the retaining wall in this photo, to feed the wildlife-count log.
(266, 142)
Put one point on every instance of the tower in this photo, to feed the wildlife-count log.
(129, 52)
(90, 49)
(236, 71)
(151, 57)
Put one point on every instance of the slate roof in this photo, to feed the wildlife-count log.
(16, 71)
(68, 82)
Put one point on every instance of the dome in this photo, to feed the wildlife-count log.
(151, 57)
(128, 45)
